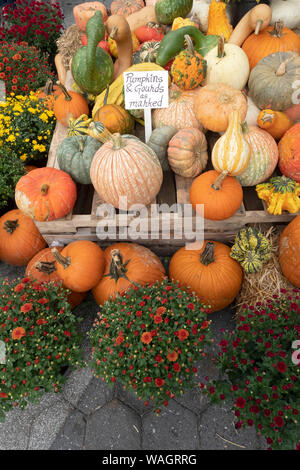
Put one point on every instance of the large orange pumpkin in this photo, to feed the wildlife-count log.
(42, 268)
(46, 194)
(272, 39)
(289, 251)
(215, 102)
(84, 11)
(221, 195)
(126, 7)
(126, 167)
(180, 112)
(125, 264)
(69, 104)
(289, 153)
(20, 239)
(209, 272)
(80, 265)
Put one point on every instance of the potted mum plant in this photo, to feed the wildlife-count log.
(260, 364)
(38, 340)
(148, 339)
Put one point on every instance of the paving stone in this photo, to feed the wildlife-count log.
(47, 425)
(47, 400)
(71, 436)
(96, 395)
(130, 398)
(217, 428)
(77, 383)
(113, 427)
(12, 272)
(15, 431)
(174, 428)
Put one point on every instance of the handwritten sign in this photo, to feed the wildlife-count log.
(146, 90)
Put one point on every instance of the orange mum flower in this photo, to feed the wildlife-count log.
(146, 337)
(157, 319)
(204, 325)
(160, 310)
(183, 334)
(17, 57)
(120, 339)
(18, 333)
(172, 356)
(26, 307)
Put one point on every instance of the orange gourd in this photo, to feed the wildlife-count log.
(80, 265)
(289, 153)
(46, 194)
(289, 251)
(274, 122)
(125, 264)
(84, 11)
(214, 103)
(272, 39)
(114, 117)
(119, 34)
(125, 167)
(69, 104)
(221, 195)
(42, 268)
(209, 272)
(180, 112)
(126, 7)
(20, 239)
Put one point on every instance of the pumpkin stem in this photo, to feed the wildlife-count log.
(48, 90)
(68, 97)
(11, 225)
(44, 188)
(81, 144)
(245, 127)
(218, 183)
(46, 267)
(106, 95)
(267, 117)
(258, 26)
(117, 268)
(207, 256)
(65, 262)
(190, 44)
(278, 27)
(221, 47)
(117, 141)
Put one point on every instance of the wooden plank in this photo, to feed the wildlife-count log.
(183, 189)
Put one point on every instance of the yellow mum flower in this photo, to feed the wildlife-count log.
(11, 138)
(23, 157)
(43, 117)
(31, 110)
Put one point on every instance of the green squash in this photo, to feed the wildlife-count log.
(251, 249)
(146, 53)
(167, 10)
(75, 155)
(92, 67)
(159, 141)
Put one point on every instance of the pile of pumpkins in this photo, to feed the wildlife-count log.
(237, 82)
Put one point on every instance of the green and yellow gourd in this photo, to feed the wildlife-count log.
(280, 193)
(92, 67)
(75, 155)
(167, 10)
(189, 68)
(79, 126)
(251, 249)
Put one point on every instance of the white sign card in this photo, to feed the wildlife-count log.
(146, 90)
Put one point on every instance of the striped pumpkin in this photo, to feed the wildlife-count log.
(231, 152)
(126, 167)
(79, 126)
(263, 158)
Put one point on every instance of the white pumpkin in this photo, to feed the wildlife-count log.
(286, 10)
(252, 113)
(228, 64)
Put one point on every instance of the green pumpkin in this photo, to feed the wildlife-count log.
(75, 155)
(159, 141)
(167, 10)
(92, 67)
(251, 249)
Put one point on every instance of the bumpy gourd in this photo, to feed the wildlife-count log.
(280, 193)
(189, 68)
(218, 22)
(92, 67)
(251, 249)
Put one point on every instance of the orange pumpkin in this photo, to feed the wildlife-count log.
(126, 7)
(180, 112)
(289, 251)
(80, 265)
(84, 11)
(221, 195)
(272, 39)
(209, 272)
(20, 239)
(29, 168)
(289, 153)
(46, 194)
(275, 123)
(114, 117)
(69, 104)
(125, 264)
(125, 167)
(49, 94)
(215, 102)
(42, 268)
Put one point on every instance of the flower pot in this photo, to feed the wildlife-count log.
(240, 8)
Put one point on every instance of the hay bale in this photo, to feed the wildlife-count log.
(68, 43)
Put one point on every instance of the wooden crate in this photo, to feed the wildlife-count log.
(82, 223)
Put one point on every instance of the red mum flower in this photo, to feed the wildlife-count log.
(240, 402)
(172, 356)
(183, 334)
(67, 333)
(26, 307)
(281, 366)
(160, 310)
(176, 367)
(157, 319)
(19, 287)
(191, 306)
(3, 395)
(159, 382)
(279, 421)
(146, 337)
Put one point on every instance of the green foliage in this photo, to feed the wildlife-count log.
(11, 170)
